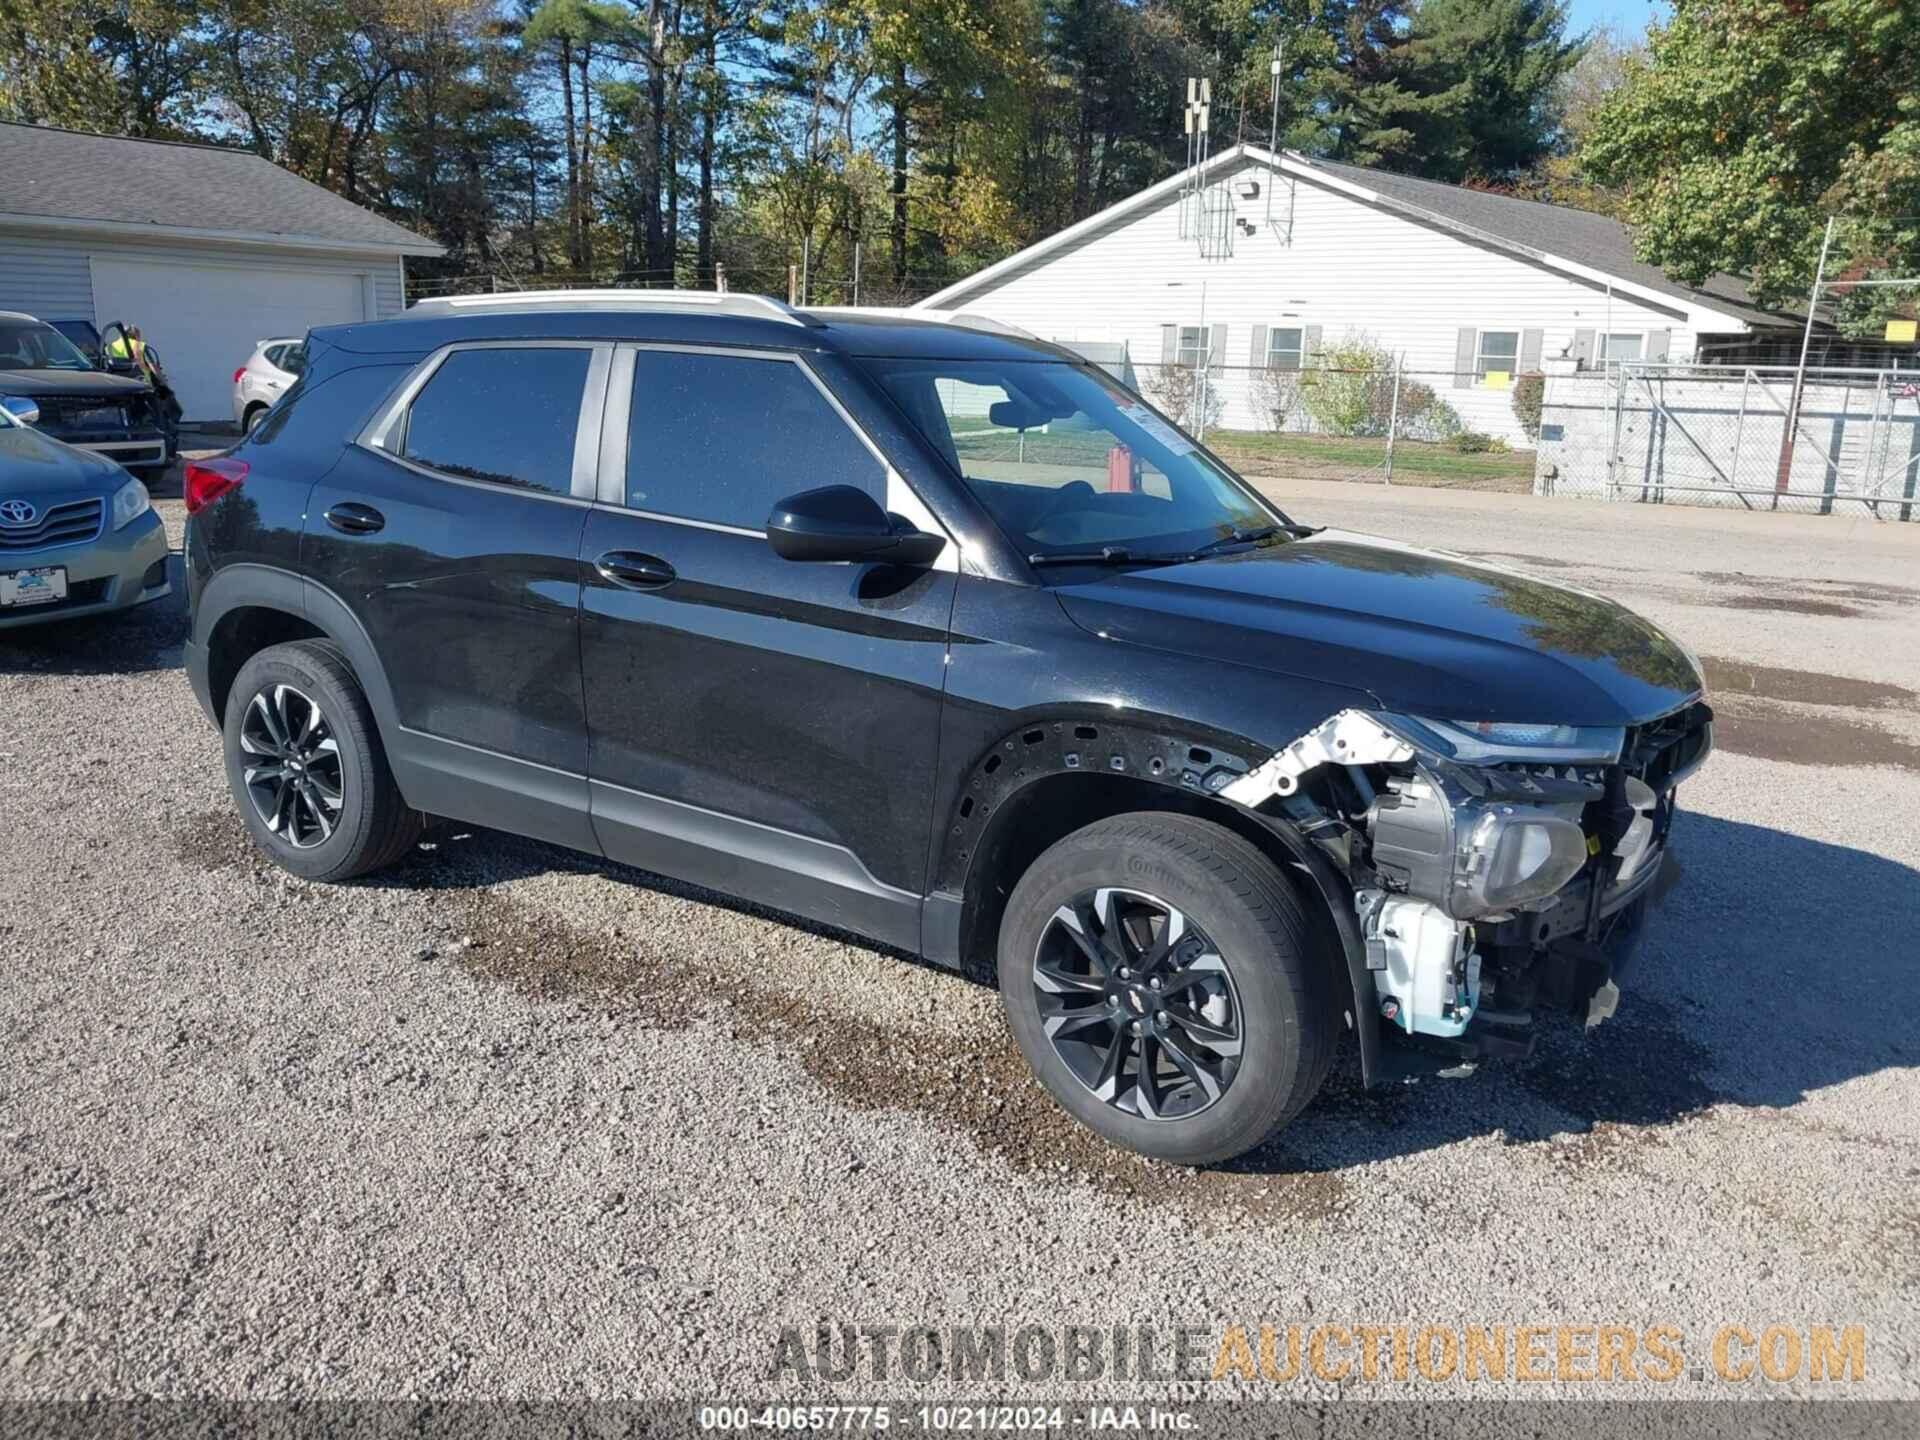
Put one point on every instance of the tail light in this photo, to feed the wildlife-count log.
(207, 480)
(238, 373)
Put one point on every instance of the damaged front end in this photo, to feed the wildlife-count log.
(1496, 869)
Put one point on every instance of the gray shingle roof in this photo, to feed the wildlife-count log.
(1577, 235)
(67, 175)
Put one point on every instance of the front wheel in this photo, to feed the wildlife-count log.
(1163, 982)
(306, 766)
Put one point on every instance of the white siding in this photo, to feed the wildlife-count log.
(49, 276)
(1349, 267)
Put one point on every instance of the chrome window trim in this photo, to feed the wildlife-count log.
(900, 496)
(378, 433)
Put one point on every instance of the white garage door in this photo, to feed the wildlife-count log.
(205, 319)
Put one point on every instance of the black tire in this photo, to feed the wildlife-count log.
(370, 826)
(1281, 992)
(254, 415)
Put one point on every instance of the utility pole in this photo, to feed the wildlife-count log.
(856, 272)
(720, 277)
(1783, 477)
(793, 284)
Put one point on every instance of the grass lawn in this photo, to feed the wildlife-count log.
(1332, 457)
(1064, 454)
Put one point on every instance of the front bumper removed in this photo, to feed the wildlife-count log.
(1570, 975)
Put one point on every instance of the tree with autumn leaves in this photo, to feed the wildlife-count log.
(1748, 123)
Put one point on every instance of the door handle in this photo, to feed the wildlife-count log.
(351, 518)
(634, 571)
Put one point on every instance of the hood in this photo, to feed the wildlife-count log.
(1424, 632)
(71, 382)
(35, 467)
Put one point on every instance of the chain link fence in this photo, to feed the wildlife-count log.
(1383, 426)
(1753, 438)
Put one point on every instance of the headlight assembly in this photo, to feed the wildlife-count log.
(1484, 742)
(130, 502)
(1472, 856)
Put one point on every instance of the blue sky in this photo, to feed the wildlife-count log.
(1629, 17)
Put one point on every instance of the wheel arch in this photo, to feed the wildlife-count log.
(1042, 782)
(243, 609)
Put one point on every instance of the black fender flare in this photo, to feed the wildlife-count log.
(267, 587)
(1192, 764)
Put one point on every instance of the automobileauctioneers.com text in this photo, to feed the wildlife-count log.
(1737, 1352)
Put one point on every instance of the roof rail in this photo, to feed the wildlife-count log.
(719, 302)
(988, 324)
(962, 318)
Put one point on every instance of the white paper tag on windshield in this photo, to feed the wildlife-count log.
(1158, 429)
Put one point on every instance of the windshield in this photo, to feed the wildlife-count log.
(30, 345)
(1067, 460)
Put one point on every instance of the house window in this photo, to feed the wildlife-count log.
(1629, 345)
(1498, 351)
(1284, 349)
(1193, 346)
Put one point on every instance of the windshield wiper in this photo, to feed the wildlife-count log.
(1105, 555)
(1239, 537)
(1121, 555)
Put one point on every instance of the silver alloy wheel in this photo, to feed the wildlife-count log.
(1138, 1003)
(291, 766)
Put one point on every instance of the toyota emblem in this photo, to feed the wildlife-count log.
(16, 513)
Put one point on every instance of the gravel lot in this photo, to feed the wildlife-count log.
(502, 1124)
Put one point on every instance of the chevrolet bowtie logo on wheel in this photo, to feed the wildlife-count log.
(16, 512)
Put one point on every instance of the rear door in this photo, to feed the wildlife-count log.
(761, 726)
(452, 531)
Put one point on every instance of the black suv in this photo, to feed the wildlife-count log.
(934, 633)
(79, 401)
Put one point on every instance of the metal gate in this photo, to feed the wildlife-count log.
(1691, 434)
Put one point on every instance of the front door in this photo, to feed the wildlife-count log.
(765, 727)
(453, 534)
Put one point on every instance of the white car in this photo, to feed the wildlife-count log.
(269, 372)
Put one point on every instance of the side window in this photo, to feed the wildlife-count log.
(1284, 348)
(722, 437)
(501, 415)
(1498, 354)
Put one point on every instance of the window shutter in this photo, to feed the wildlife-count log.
(1257, 356)
(1583, 349)
(1657, 342)
(1169, 344)
(1463, 357)
(1310, 346)
(1530, 343)
(1217, 349)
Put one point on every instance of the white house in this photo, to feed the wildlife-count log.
(206, 249)
(1263, 259)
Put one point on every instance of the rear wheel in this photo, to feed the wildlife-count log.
(255, 414)
(1162, 979)
(306, 767)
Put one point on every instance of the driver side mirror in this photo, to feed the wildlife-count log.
(844, 523)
